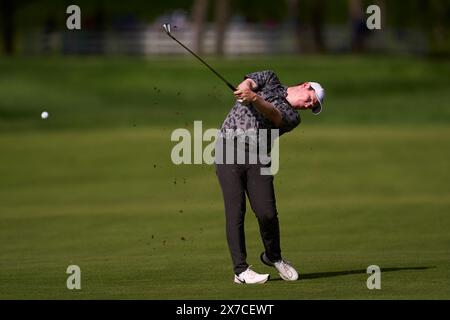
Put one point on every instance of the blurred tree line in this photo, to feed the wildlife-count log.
(306, 17)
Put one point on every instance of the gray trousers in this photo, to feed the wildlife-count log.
(237, 180)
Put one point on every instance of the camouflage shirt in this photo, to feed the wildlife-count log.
(244, 118)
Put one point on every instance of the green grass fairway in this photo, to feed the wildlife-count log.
(366, 183)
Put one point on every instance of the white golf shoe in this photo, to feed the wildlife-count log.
(251, 277)
(285, 269)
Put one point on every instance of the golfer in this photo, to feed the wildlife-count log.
(263, 103)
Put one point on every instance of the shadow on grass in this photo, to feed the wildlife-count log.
(319, 275)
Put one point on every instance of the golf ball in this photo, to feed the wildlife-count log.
(44, 115)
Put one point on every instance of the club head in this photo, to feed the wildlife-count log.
(166, 27)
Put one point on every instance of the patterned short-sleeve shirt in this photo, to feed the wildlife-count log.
(246, 117)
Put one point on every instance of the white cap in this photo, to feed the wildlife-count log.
(320, 94)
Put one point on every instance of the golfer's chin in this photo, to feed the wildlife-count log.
(301, 107)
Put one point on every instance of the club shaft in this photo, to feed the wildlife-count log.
(202, 61)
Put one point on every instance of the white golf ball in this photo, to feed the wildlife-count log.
(44, 115)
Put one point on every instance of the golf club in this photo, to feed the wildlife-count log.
(167, 29)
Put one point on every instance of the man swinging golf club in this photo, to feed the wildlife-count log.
(262, 103)
(266, 104)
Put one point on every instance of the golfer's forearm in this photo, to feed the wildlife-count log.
(267, 110)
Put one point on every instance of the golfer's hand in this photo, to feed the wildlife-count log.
(245, 95)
